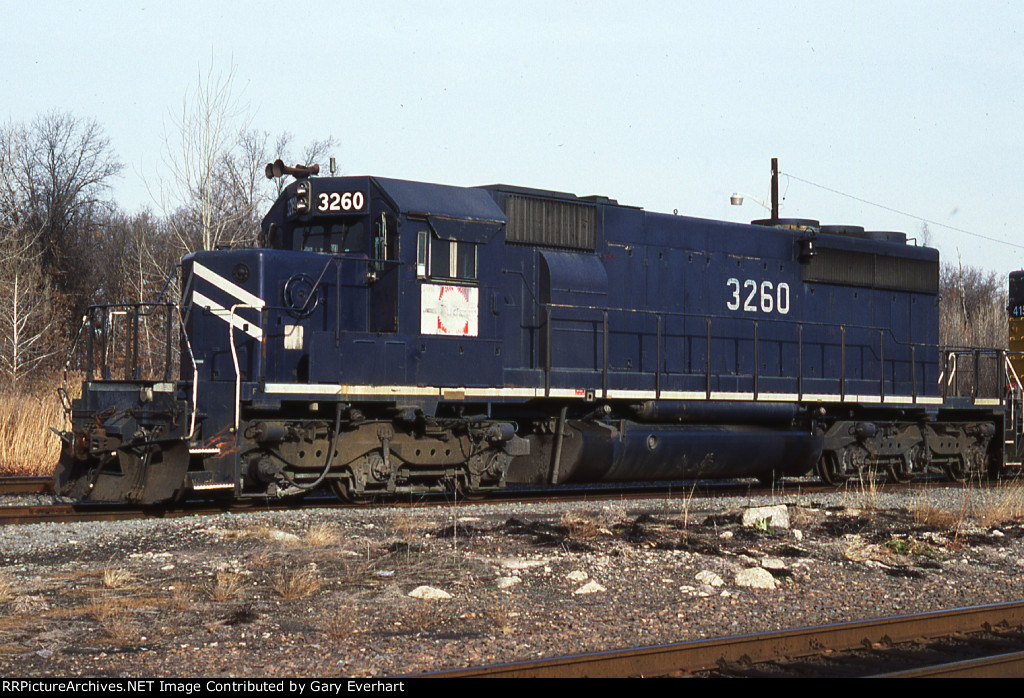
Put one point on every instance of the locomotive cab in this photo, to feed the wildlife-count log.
(338, 342)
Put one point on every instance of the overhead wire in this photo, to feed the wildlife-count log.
(902, 213)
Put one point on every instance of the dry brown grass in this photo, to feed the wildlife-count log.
(342, 625)
(118, 624)
(1005, 505)
(226, 587)
(405, 526)
(182, 597)
(323, 534)
(867, 490)
(27, 446)
(115, 616)
(934, 517)
(116, 577)
(581, 525)
(946, 519)
(297, 584)
(503, 616)
(7, 590)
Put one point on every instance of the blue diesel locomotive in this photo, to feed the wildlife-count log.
(391, 337)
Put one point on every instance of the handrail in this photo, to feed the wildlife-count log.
(752, 334)
(714, 316)
(234, 354)
(1013, 371)
(132, 358)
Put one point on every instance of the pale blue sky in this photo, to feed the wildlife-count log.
(665, 105)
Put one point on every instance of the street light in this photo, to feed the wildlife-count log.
(737, 200)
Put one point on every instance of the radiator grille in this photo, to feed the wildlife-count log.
(872, 270)
(551, 223)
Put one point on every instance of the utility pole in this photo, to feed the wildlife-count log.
(775, 190)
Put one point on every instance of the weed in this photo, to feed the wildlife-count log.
(323, 534)
(114, 617)
(407, 526)
(116, 577)
(580, 525)
(422, 615)
(867, 489)
(913, 547)
(503, 618)
(297, 585)
(1007, 505)
(262, 559)
(120, 628)
(934, 517)
(181, 598)
(7, 592)
(685, 514)
(342, 625)
(226, 587)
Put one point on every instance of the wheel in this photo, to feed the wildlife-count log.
(955, 468)
(343, 491)
(463, 491)
(829, 469)
(901, 469)
(966, 465)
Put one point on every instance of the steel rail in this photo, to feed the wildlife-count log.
(1009, 665)
(697, 490)
(26, 485)
(703, 655)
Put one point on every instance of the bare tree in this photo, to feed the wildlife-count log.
(55, 175)
(243, 175)
(27, 325)
(213, 191)
(143, 256)
(973, 310)
(207, 127)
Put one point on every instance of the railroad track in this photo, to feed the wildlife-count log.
(42, 513)
(26, 485)
(987, 641)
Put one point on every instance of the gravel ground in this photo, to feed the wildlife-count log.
(323, 592)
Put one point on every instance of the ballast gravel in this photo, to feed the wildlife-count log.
(388, 591)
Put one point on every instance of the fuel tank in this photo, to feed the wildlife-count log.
(624, 451)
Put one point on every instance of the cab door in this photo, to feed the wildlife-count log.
(458, 343)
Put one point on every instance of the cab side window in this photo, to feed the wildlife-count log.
(445, 259)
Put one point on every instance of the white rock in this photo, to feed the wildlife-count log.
(507, 582)
(777, 516)
(773, 563)
(756, 578)
(577, 576)
(710, 578)
(589, 588)
(283, 537)
(799, 535)
(429, 593)
(512, 563)
(30, 604)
